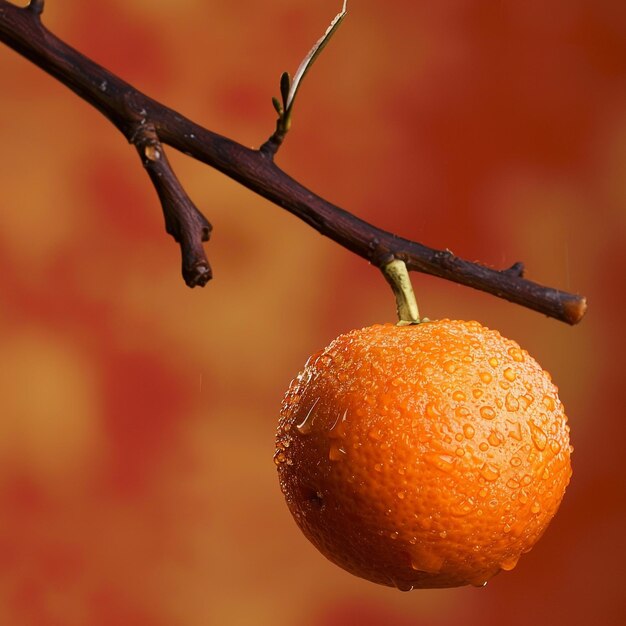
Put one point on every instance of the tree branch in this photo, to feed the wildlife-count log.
(128, 109)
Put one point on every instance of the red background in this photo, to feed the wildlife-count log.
(137, 416)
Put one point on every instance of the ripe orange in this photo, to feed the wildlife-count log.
(431, 455)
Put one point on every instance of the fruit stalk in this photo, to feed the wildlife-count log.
(397, 275)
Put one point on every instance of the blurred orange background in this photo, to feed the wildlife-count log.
(137, 416)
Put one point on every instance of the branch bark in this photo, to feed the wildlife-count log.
(148, 124)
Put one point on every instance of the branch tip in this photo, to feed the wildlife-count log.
(36, 7)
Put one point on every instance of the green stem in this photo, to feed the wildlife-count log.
(397, 276)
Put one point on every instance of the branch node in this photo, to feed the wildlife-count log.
(517, 269)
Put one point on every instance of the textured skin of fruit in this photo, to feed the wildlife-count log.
(431, 455)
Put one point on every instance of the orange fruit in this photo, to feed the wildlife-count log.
(431, 455)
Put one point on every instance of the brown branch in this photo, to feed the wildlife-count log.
(182, 219)
(127, 109)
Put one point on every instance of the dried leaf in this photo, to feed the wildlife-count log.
(312, 55)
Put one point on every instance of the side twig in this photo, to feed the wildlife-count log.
(127, 108)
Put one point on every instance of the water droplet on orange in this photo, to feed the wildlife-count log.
(548, 402)
(427, 561)
(477, 393)
(512, 483)
(459, 451)
(305, 426)
(450, 367)
(489, 472)
(493, 361)
(511, 402)
(495, 438)
(509, 374)
(394, 535)
(468, 431)
(487, 412)
(336, 452)
(516, 354)
(483, 446)
(459, 396)
(555, 446)
(375, 435)
(509, 563)
(459, 437)
(431, 410)
(535, 507)
(485, 377)
(443, 462)
(516, 461)
(539, 438)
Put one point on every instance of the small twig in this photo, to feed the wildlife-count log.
(289, 88)
(182, 218)
(125, 107)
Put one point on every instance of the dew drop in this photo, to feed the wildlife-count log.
(440, 461)
(493, 361)
(539, 438)
(512, 484)
(487, 412)
(489, 472)
(394, 535)
(336, 452)
(427, 561)
(516, 354)
(477, 393)
(378, 467)
(459, 451)
(509, 563)
(305, 426)
(485, 377)
(461, 412)
(401, 495)
(511, 402)
(443, 534)
(459, 396)
(516, 431)
(484, 446)
(495, 438)
(535, 507)
(509, 374)
(279, 457)
(483, 492)
(375, 435)
(468, 431)
(431, 410)
(450, 367)
(526, 480)
(507, 529)
(548, 402)
(459, 437)
(516, 461)
(555, 446)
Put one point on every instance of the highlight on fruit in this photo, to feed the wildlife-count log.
(425, 455)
